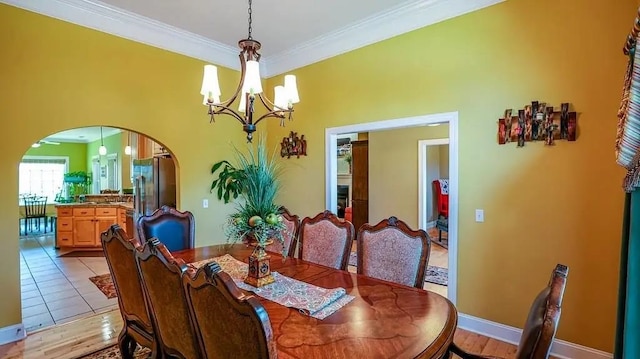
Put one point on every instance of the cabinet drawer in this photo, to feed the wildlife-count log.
(65, 212)
(65, 224)
(103, 212)
(65, 239)
(84, 212)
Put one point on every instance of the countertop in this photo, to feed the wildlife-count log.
(125, 205)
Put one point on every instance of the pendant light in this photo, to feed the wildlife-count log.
(127, 149)
(102, 150)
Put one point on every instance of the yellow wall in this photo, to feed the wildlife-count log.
(393, 172)
(57, 76)
(542, 205)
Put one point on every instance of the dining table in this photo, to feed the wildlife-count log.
(384, 320)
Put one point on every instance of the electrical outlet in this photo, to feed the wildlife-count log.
(205, 203)
(479, 215)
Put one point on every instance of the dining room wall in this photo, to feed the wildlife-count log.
(543, 205)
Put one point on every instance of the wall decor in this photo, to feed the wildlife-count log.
(293, 146)
(537, 122)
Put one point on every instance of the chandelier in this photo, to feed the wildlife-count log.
(249, 90)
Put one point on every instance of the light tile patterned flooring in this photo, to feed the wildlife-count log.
(57, 289)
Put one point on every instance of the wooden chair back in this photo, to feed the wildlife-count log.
(119, 252)
(175, 229)
(392, 251)
(161, 276)
(292, 222)
(227, 322)
(326, 240)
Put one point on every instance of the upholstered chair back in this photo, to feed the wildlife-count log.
(326, 240)
(161, 275)
(175, 229)
(542, 321)
(119, 252)
(292, 222)
(544, 315)
(229, 324)
(392, 251)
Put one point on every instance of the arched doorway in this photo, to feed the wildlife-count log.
(62, 269)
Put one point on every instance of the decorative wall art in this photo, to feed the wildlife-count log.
(537, 122)
(293, 146)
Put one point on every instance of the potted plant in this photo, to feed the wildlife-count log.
(255, 179)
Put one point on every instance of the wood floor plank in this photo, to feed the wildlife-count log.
(86, 335)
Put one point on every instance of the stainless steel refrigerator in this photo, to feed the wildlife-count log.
(154, 182)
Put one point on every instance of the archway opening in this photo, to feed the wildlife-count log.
(73, 185)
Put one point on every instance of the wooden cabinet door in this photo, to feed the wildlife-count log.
(102, 225)
(360, 183)
(84, 232)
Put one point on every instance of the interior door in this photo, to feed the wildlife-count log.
(360, 183)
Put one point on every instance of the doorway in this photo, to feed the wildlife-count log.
(331, 171)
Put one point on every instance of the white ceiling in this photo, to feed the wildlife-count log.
(82, 135)
(293, 33)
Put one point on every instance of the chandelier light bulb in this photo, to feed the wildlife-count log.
(252, 82)
(292, 88)
(127, 150)
(102, 150)
(210, 86)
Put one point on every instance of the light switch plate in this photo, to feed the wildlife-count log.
(479, 215)
(205, 203)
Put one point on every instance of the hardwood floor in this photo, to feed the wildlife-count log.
(87, 335)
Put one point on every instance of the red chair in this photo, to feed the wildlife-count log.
(441, 193)
(442, 197)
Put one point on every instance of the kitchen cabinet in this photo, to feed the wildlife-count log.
(80, 225)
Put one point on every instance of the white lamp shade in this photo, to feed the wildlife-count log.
(210, 86)
(127, 150)
(292, 88)
(281, 101)
(243, 102)
(252, 81)
(102, 150)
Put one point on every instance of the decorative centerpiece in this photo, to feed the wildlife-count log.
(257, 221)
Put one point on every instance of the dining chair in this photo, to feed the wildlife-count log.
(392, 251)
(161, 276)
(227, 322)
(542, 321)
(35, 210)
(326, 240)
(119, 252)
(175, 229)
(292, 222)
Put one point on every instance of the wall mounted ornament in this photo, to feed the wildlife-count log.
(293, 146)
(538, 122)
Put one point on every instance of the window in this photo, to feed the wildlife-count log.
(43, 175)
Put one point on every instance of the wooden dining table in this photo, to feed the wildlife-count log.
(385, 320)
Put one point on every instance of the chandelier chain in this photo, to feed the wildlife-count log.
(250, 20)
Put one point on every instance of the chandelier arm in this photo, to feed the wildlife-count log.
(243, 69)
(225, 110)
(266, 102)
(276, 114)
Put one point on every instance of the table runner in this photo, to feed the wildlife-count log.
(309, 299)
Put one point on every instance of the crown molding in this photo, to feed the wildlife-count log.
(122, 23)
(406, 17)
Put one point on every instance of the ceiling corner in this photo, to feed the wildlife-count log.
(396, 21)
(118, 22)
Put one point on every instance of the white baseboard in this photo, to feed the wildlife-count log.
(12, 333)
(431, 224)
(560, 348)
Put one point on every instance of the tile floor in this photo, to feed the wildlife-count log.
(57, 289)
